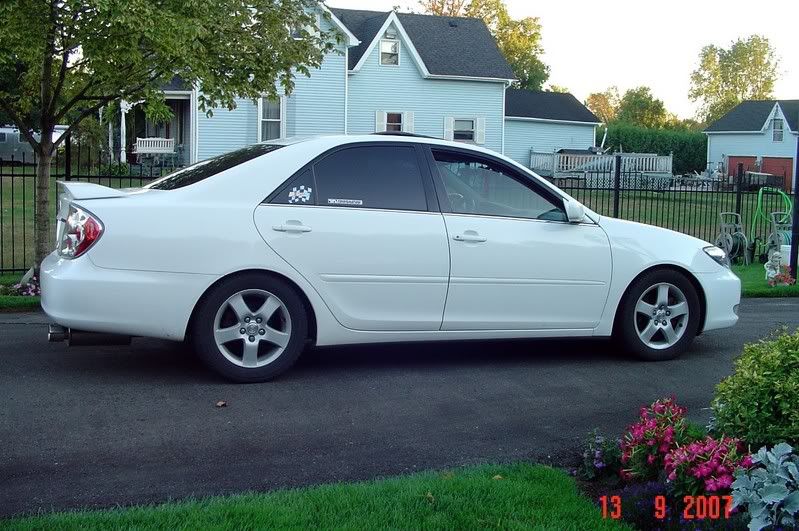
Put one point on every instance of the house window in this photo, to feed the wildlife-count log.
(463, 130)
(394, 121)
(389, 52)
(2, 137)
(776, 130)
(271, 119)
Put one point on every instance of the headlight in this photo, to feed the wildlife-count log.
(718, 255)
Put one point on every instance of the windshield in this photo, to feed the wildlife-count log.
(207, 168)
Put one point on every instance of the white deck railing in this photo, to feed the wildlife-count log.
(146, 146)
(557, 164)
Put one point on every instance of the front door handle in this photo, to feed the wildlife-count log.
(470, 236)
(292, 225)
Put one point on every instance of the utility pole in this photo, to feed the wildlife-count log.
(795, 224)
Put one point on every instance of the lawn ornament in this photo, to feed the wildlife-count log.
(773, 266)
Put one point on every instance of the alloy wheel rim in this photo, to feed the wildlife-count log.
(252, 328)
(661, 316)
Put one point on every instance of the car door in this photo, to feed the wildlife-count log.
(357, 225)
(516, 262)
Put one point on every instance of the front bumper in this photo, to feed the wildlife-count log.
(78, 294)
(722, 295)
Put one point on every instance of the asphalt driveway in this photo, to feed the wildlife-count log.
(100, 426)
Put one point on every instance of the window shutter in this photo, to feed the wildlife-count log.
(480, 130)
(380, 121)
(407, 122)
(449, 126)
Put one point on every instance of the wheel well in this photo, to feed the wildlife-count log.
(305, 301)
(687, 274)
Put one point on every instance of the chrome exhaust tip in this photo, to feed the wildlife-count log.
(57, 333)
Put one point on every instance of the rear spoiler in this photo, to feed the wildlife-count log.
(81, 190)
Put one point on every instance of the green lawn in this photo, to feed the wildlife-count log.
(519, 496)
(753, 281)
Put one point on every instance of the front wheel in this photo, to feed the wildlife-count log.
(250, 328)
(659, 316)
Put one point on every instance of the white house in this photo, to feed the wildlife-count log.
(760, 134)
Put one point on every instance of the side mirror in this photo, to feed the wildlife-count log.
(575, 212)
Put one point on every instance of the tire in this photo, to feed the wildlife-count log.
(274, 321)
(634, 326)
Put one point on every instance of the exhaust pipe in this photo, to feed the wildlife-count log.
(80, 338)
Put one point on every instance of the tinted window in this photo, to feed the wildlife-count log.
(371, 177)
(478, 186)
(208, 168)
(299, 191)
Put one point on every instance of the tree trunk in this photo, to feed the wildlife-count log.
(42, 212)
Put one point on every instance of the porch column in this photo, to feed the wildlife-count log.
(124, 107)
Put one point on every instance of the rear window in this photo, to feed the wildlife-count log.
(208, 168)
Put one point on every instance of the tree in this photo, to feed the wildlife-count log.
(63, 60)
(557, 88)
(727, 76)
(639, 107)
(604, 104)
(518, 40)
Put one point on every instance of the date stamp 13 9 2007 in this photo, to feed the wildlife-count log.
(710, 507)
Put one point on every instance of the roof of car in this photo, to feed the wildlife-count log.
(440, 41)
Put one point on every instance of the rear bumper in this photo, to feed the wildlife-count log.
(77, 294)
(722, 295)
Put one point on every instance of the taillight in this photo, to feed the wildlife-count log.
(80, 231)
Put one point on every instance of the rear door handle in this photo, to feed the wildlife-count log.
(470, 236)
(292, 225)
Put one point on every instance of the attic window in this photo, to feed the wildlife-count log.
(389, 52)
(777, 130)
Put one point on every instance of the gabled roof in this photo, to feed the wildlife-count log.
(546, 106)
(751, 115)
(448, 46)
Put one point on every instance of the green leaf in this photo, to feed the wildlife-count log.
(774, 493)
(791, 502)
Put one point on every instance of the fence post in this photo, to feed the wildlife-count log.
(616, 184)
(739, 179)
(68, 157)
(795, 222)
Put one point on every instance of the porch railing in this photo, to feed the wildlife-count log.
(146, 146)
(559, 164)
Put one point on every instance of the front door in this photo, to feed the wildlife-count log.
(356, 225)
(517, 263)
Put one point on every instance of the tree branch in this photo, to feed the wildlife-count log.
(23, 127)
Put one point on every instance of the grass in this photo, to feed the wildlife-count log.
(753, 283)
(518, 496)
(13, 303)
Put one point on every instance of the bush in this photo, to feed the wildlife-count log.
(759, 402)
(601, 457)
(646, 443)
(688, 147)
(770, 489)
(704, 466)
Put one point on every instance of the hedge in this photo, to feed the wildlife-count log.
(689, 147)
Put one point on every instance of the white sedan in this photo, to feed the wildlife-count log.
(363, 239)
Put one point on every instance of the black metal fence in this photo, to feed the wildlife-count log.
(72, 163)
(688, 205)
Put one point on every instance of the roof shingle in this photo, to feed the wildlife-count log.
(451, 46)
(750, 115)
(547, 106)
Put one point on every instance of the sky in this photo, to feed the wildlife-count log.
(590, 46)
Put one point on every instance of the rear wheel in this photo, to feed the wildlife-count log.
(250, 328)
(659, 316)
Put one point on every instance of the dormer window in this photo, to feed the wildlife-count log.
(777, 130)
(389, 52)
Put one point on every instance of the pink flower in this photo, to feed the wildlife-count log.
(710, 485)
(650, 459)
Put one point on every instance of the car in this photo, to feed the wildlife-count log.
(336, 240)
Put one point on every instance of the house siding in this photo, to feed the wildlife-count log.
(403, 89)
(315, 106)
(523, 135)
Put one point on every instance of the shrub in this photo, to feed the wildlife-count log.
(704, 466)
(688, 147)
(601, 457)
(759, 402)
(770, 489)
(660, 428)
(28, 289)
